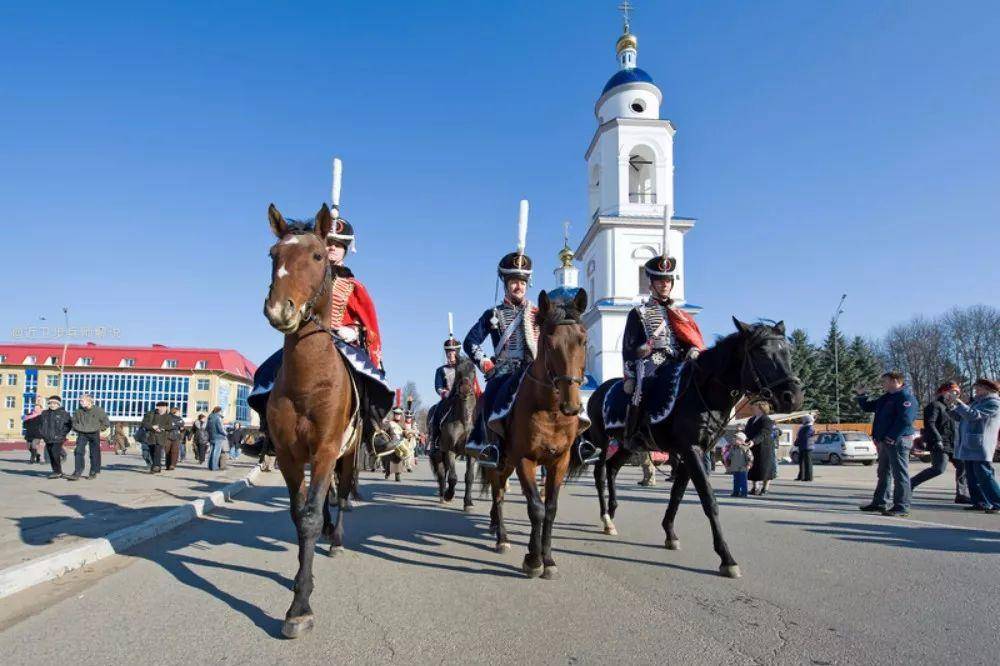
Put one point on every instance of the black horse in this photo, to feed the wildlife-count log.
(456, 419)
(754, 361)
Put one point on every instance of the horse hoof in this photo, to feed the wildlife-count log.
(730, 571)
(673, 544)
(530, 571)
(610, 529)
(297, 626)
(336, 550)
(551, 573)
(502, 547)
(467, 508)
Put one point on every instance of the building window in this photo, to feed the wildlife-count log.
(201, 365)
(3, 358)
(201, 406)
(643, 281)
(52, 360)
(242, 408)
(203, 385)
(128, 363)
(10, 402)
(52, 381)
(126, 396)
(10, 424)
(85, 360)
(641, 176)
(170, 363)
(30, 360)
(638, 106)
(11, 379)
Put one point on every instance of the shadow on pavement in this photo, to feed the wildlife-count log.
(956, 540)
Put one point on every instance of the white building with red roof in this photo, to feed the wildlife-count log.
(126, 381)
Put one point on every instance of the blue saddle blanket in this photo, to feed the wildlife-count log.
(659, 393)
(500, 396)
(358, 363)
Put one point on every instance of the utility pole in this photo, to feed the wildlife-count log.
(836, 360)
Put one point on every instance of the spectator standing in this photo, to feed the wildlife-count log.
(217, 439)
(89, 420)
(157, 424)
(32, 433)
(118, 439)
(739, 460)
(804, 443)
(235, 440)
(892, 431)
(759, 431)
(199, 437)
(978, 430)
(175, 434)
(938, 435)
(54, 424)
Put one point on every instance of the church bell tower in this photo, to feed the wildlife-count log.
(630, 168)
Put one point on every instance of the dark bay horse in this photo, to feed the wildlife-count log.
(309, 413)
(542, 426)
(457, 412)
(754, 361)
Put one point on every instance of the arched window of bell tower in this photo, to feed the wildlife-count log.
(642, 175)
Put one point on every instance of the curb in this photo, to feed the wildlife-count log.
(48, 567)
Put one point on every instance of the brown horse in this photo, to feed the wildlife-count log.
(309, 411)
(542, 426)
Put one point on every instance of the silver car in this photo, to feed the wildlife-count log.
(839, 447)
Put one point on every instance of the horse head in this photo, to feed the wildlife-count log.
(465, 378)
(765, 365)
(562, 346)
(300, 271)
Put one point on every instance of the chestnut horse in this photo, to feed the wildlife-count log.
(542, 426)
(310, 408)
(456, 425)
(755, 361)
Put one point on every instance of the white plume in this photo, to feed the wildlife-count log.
(522, 226)
(666, 230)
(451, 325)
(338, 170)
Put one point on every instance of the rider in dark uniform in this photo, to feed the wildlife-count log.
(658, 339)
(444, 381)
(510, 326)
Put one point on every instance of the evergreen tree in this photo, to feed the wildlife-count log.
(863, 369)
(804, 366)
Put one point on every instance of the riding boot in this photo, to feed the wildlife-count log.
(633, 418)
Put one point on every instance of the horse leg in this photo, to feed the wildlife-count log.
(676, 495)
(601, 481)
(299, 618)
(614, 466)
(345, 480)
(449, 493)
(470, 481)
(498, 483)
(555, 474)
(533, 565)
(438, 466)
(693, 461)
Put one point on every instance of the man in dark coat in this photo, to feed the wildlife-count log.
(892, 431)
(938, 435)
(157, 424)
(174, 438)
(89, 420)
(54, 424)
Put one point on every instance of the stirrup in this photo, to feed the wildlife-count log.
(489, 457)
(586, 452)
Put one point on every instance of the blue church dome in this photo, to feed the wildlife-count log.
(623, 76)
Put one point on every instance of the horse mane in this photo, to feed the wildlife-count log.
(561, 309)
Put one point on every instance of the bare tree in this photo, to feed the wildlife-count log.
(920, 350)
(974, 341)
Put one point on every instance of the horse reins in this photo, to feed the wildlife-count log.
(555, 379)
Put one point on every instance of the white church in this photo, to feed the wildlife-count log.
(630, 167)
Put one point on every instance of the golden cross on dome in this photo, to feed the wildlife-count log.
(626, 9)
(566, 233)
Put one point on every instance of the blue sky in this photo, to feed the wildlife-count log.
(822, 146)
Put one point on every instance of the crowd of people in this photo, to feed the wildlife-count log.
(163, 437)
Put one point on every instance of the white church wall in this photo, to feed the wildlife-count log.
(620, 105)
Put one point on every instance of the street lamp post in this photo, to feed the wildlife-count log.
(62, 363)
(836, 360)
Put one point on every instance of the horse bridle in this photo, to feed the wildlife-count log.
(759, 388)
(555, 379)
(314, 298)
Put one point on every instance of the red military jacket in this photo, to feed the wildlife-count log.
(354, 307)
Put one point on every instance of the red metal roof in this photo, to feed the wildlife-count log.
(146, 358)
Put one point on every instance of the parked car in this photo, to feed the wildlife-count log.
(838, 447)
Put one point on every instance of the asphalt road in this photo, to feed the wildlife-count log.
(823, 584)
